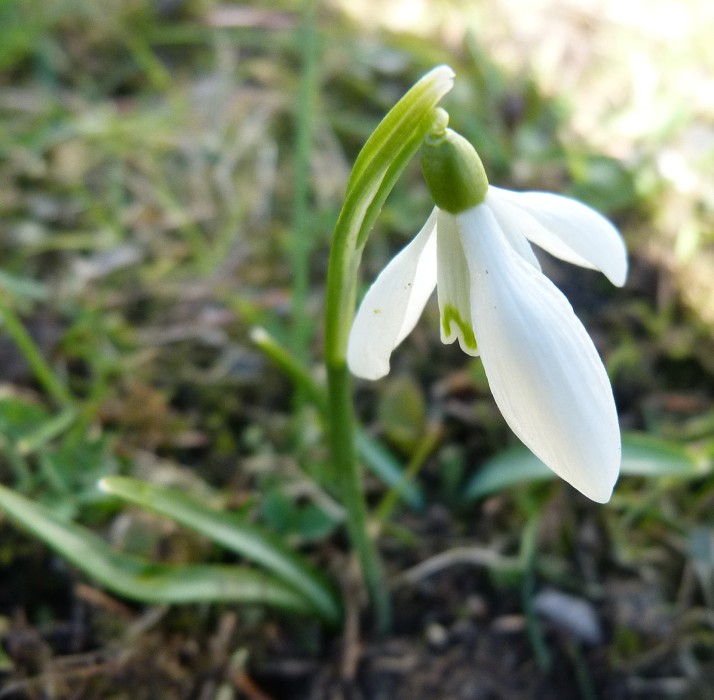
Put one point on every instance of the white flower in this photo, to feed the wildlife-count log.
(542, 367)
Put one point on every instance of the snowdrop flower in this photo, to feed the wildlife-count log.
(543, 369)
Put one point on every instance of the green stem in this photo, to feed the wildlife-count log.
(351, 486)
(392, 144)
(374, 455)
(38, 365)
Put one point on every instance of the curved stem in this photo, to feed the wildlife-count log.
(380, 162)
(384, 156)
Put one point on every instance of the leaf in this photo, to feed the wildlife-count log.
(381, 463)
(43, 432)
(23, 287)
(401, 412)
(312, 523)
(147, 582)
(232, 533)
(306, 521)
(642, 455)
(19, 417)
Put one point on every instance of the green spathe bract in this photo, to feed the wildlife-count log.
(452, 169)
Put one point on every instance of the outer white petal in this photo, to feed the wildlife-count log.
(565, 228)
(511, 224)
(393, 304)
(542, 366)
(453, 285)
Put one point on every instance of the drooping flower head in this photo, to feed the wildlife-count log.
(543, 369)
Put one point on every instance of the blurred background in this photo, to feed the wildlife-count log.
(170, 173)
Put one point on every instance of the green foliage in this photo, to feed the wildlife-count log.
(54, 454)
(233, 533)
(642, 455)
(145, 581)
(402, 413)
(303, 522)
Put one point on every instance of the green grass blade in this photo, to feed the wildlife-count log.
(44, 373)
(144, 581)
(302, 240)
(383, 464)
(227, 530)
(642, 455)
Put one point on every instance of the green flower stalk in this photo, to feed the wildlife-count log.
(394, 142)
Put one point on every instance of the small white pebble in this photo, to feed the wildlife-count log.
(436, 635)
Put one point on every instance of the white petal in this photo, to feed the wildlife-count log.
(393, 304)
(542, 366)
(565, 228)
(511, 223)
(453, 285)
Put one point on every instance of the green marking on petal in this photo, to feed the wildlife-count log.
(451, 315)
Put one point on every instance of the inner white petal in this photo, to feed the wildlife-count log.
(453, 285)
(393, 305)
(565, 228)
(543, 369)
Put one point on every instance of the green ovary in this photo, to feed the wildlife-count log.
(451, 315)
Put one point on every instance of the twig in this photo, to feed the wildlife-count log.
(475, 556)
